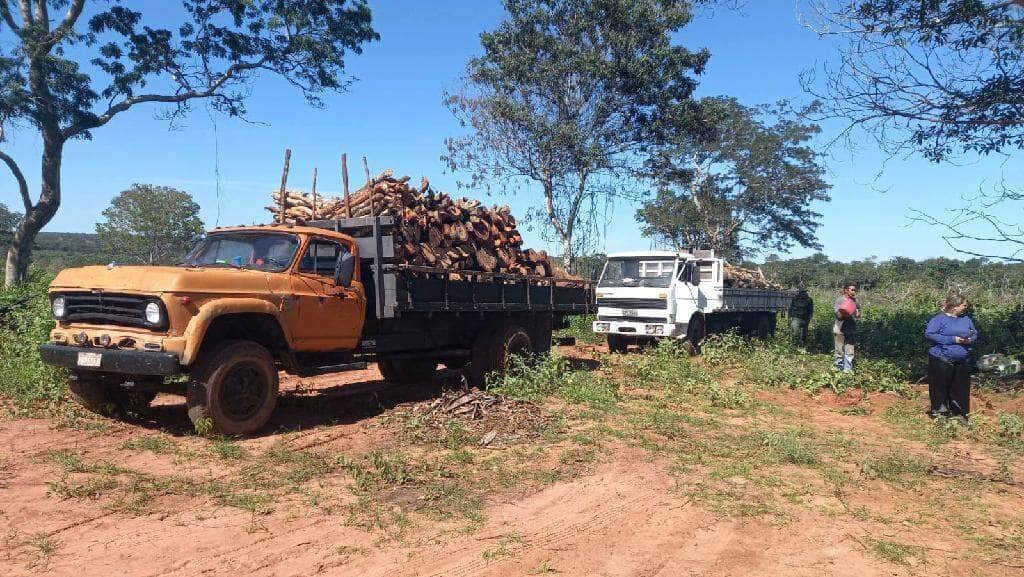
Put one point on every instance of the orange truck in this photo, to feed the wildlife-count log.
(251, 301)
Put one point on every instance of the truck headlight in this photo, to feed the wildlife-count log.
(654, 329)
(602, 327)
(154, 314)
(57, 306)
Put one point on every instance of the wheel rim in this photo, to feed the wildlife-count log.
(243, 391)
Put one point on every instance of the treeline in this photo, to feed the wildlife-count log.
(819, 272)
(54, 251)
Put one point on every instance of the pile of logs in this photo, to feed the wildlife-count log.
(433, 229)
(739, 277)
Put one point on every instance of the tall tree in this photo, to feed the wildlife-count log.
(150, 225)
(565, 93)
(741, 184)
(215, 53)
(939, 77)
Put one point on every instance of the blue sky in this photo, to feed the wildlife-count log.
(393, 115)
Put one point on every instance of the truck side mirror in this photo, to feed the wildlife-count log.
(695, 274)
(344, 268)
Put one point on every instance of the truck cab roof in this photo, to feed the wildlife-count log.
(287, 228)
(650, 254)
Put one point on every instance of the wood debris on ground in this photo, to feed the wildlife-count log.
(434, 229)
(497, 419)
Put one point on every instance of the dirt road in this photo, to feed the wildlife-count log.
(149, 499)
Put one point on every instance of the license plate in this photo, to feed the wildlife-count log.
(629, 312)
(90, 359)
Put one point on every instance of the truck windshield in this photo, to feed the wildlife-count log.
(271, 252)
(637, 272)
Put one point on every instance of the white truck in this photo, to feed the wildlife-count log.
(643, 296)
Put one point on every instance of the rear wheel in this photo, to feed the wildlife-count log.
(617, 343)
(765, 325)
(407, 371)
(492, 349)
(456, 363)
(233, 390)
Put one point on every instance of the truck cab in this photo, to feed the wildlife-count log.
(643, 296)
(244, 304)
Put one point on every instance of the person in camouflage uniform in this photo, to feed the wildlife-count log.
(801, 309)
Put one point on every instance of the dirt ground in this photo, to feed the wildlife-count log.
(102, 497)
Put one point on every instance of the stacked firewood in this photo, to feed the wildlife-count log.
(739, 277)
(433, 229)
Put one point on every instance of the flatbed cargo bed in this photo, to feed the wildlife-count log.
(394, 288)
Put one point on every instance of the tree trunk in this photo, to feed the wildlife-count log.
(39, 215)
(568, 258)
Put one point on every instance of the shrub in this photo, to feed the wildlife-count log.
(539, 377)
(25, 323)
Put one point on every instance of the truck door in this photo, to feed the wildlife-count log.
(328, 317)
(696, 286)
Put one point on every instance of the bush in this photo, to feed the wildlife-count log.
(540, 377)
(25, 323)
(580, 328)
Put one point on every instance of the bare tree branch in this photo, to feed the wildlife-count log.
(42, 15)
(22, 184)
(68, 23)
(25, 6)
(115, 109)
(5, 12)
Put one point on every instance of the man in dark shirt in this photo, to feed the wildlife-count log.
(801, 309)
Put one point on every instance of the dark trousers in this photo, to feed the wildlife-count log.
(949, 386)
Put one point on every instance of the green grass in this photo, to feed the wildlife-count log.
(894, 551)
(893, 467)
(504, 548)
(154, 444)
(554, 375)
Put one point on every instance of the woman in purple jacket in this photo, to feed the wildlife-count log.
(953, 334)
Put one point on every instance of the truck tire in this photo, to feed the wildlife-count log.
(696, 331)
(617, 343)
(765, 325)
(233, 389)
(106, 397)
(456, 363)
(408, 371)
(492, 349)
(541, 337)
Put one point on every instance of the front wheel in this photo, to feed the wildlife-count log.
(696, 331)
(617, 343)
(233, 390)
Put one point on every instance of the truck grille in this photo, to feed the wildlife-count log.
(632, 319)
(633, 303)
(107, 308)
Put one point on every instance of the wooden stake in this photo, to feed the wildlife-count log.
(373, 206)
(284, 183)
(312, 216)
(344, 181)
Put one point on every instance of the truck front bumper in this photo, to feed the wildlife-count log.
(638, 329)
(111, 360)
